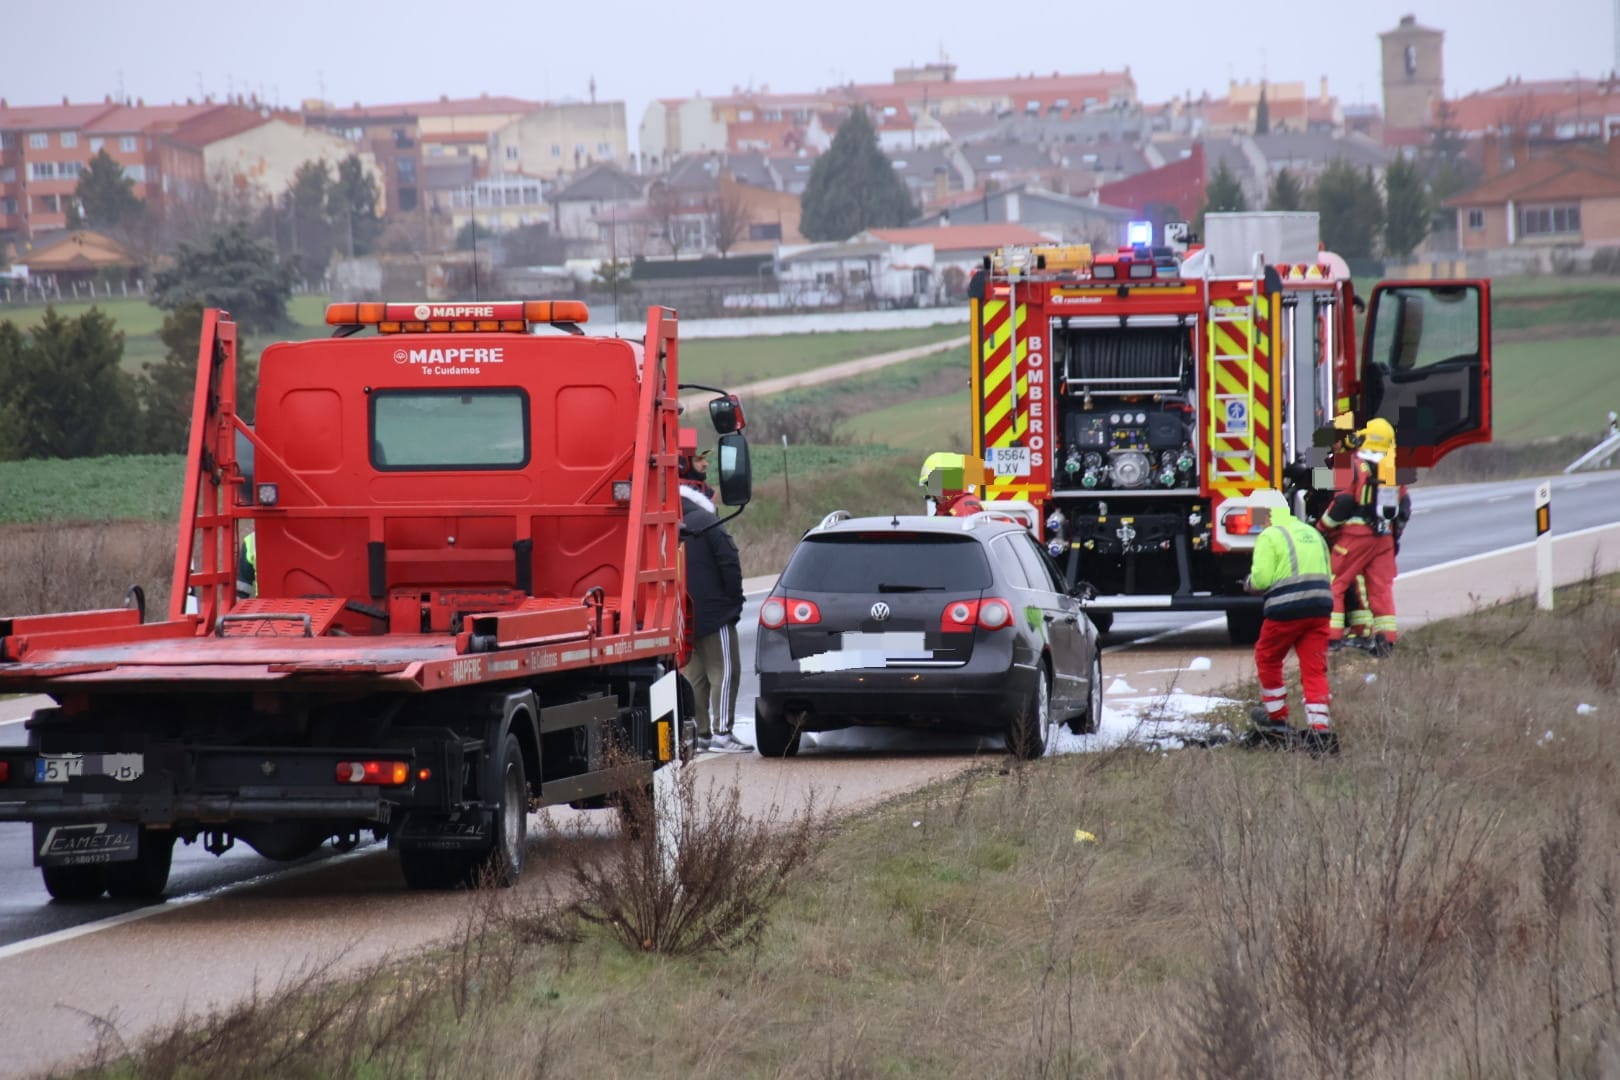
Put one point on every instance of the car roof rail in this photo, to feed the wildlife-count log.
(833, 519)
(973, 521)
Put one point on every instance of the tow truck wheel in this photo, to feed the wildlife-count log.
(147, 875)
(74, 884)
(427, 870)
(504, 863)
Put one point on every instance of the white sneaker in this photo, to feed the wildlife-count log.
(727, 743)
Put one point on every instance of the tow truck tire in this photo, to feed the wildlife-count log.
(776, 736)
(147, 875)
(74, 884)
(1243, 625)
(503, 865)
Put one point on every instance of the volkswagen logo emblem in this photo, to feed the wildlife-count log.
(880, 611)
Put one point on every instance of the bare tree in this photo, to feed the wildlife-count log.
(665, 206)
(729, 216)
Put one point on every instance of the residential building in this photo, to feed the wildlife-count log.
(1289, 107)
(498, 202)
(1174, 190)
(1413, 74)
(263, 157)
(1567, 199)
(562, 138)
(1068, 218)
(395, 134)
(671, 127)
(1306, 154)
(82, 255)
(601, 193)
(903, 267)
(1543, 110)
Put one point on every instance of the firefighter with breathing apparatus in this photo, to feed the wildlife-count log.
(1362, 524)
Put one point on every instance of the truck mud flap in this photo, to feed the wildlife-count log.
(86, 844)
(469, 830)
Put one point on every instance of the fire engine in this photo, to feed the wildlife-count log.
(469, 603)
(1154, 402)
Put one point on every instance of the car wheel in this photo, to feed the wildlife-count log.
(1026, 734)
(1088, 722)
(775, 735)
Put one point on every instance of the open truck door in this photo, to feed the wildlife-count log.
(1426, 365)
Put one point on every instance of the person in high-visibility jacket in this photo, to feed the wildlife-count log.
(247, 568)
(1292, 568)
(1359, 523)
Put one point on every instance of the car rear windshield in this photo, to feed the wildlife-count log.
(895, 562)
(449, 429)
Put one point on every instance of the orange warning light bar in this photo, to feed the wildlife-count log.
(513, 316)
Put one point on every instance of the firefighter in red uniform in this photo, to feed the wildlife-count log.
(1359, 523)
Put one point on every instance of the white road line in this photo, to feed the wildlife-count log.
(1499, 498)
(17, 948)
(1466, 560)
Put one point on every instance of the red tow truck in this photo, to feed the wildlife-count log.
(469, 603)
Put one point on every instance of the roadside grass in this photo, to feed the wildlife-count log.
(1440, 899)
(920, 424)
(732, 362)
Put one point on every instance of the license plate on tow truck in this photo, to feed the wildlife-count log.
(60, 768)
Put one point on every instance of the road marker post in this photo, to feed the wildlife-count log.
(1544, 560)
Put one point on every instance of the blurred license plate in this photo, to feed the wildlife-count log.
(893, 643)
(60, 768)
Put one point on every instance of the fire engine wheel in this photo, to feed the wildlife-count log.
(1026, 732)
(1243, 625)
(1088, 722)
(147, 875)
(777, 736)
(74, 884)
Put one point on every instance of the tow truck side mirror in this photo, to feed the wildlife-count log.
(736, 475)
(726, 414)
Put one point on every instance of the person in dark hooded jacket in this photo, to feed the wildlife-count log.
(714, 582)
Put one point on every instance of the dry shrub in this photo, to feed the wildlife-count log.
(389, 1019)
(1441, 898)
(82, 567)
(729, 870)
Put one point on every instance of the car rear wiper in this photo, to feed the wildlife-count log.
(885, 587)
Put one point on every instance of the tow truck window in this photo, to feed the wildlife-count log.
(420, 430)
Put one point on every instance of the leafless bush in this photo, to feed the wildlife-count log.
(804, 423)
(82, 567)
(729, 871)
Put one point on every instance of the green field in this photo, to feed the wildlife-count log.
(142, 487)
(923, 424)
(1551, 388)
(140, 321)
(737, 361)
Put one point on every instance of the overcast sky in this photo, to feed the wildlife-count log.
(404, 50)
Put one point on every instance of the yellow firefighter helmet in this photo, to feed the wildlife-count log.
(1377, 437)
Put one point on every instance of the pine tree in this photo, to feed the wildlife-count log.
(106, 197)
(1286, 193)
(853, 186)
(66, 387)
(1223, 194)
(1352, 210)
(1262, 114)
(351, 207)
(230, 270)
(1408, 213)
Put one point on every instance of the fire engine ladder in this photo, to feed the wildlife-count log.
(1233, 336)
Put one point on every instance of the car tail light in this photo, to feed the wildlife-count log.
(962, 616)
(779, 611)
(390, 773)
(802, 612)
(772, 614)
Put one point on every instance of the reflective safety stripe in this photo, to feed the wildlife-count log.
(1298, 596)
(1318, 716)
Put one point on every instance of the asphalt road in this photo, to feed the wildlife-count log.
(1449, 523)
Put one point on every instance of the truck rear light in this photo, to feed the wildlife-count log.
(268, 494)
(1246, 521)
(5, 771)
(961, 616)
(621, 492)
(773, 614)
(388, 773)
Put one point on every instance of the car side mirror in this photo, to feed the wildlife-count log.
(726, 413)
(736, 474)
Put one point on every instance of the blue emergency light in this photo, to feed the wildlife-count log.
(1139, 233)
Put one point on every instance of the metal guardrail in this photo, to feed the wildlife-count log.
(1601, 454)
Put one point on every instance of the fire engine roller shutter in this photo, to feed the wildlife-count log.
(1005, 386)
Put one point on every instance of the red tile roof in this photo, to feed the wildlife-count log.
(1043, 88)
(1518, 104)
(50, 117)
(129, 119)
(961, 237)
(1575, 173)
(443, 107)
